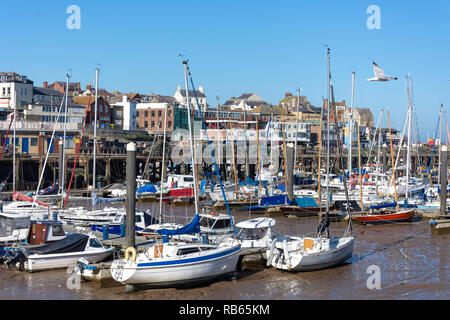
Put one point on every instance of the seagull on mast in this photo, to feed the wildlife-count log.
(379, 74)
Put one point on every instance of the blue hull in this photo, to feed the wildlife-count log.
(113, 228)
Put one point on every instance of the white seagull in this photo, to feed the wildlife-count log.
(379, 74)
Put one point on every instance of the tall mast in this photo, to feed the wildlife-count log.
(191, 137)
(64, 141)
(440, 143)
(162, 165)
(408, 157)
(14, 143)
(95, 130)
(350, 127)
(328, 132)
(296, 129)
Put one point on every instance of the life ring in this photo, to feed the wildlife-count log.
(133, 254)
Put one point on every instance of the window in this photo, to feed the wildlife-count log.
(9, 91)
(169, 113)
(252, 234)
(190, 250)
(34, 142)
(159, 113)
(58, 231)
(222, 223)
(153, 113)
(146, 124)
(169, 124)
(153, 124)
(137, 218)
(94, 243)
(146, 113)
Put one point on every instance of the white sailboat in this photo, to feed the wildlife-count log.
(173, 263)
(322, 251)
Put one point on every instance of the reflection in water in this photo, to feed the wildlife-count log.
(413, 264)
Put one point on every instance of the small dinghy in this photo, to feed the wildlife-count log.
(64, 253)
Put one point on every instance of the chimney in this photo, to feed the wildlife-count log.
(201, 89)
(288, 94)
(45, 84)
(178, 88)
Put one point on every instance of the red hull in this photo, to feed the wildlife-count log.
(386, 217)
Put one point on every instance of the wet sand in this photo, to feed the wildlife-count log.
(414, 264)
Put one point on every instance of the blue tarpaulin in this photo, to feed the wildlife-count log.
(306, 202)
(147, 188)
(192, 227)
(383, 205)
(275, 200)
(96, 199)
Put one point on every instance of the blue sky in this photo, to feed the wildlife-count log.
(267, 47)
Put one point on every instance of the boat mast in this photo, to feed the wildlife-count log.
(440, 143)
(162, 166)
(95, 130)
(191, 136)
(392, 160)
(259, 160)
(328, 134)
(408, 157)
(350, 127)
(64, 141)
(234, 160)
(14, 145)
(296, 128)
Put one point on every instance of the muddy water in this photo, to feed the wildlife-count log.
(413, 264)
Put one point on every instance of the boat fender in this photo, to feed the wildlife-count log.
(286, 255)
(133, 254)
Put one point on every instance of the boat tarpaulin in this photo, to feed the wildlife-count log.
(96, 199)
(342, 205)
(192, 227)
(75, 242)
(383, 205)
(306, 202)
(275, 200)
(21, 196)
(147, 188)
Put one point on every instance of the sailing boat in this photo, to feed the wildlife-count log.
(304, 253)
(174, 263)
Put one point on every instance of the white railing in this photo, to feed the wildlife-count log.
(35, 126)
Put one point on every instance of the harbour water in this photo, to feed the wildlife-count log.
(413, 264)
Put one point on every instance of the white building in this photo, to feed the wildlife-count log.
(247, 102)
(180, 97)
(15, 90)
(124, 112)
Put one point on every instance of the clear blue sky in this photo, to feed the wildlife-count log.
(236, 46)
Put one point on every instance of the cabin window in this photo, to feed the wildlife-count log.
(94, 243)
(137, 218)
(190, 250)
(188, 179)
(205, 222)
(58, 231)
(252, 234)
(221, 224)
(206, 248)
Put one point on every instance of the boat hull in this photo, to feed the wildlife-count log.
(386, 217)
(300, 261)
(42, 262)
(176, 271)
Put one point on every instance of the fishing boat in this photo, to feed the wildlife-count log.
(64, 253)
(255, 235)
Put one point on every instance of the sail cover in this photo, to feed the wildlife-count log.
(96, 199)
(21, 196)
(147, 188)
(192, 227)
(75, 242)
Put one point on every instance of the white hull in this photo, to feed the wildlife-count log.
(299, 260)
(174, 270)
(39, 262)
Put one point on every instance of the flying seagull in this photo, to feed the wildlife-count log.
(379, 74)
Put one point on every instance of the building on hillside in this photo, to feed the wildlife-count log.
(74, 87)
(123, 114)
(103, 110)
(16, 91)
(247, 102)
(180, 97)
(90, 91)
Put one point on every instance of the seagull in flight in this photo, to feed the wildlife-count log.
(379, 74)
